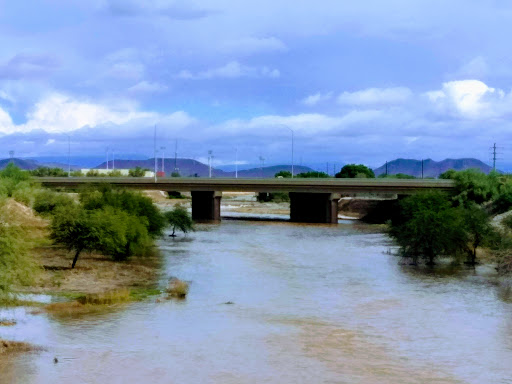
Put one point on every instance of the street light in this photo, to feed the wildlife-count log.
(69, 155)
(163, 157)
(291, 130)
(210, 164)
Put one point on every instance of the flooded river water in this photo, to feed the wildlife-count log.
(310, 304)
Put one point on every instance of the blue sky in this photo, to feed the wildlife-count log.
(364, 81)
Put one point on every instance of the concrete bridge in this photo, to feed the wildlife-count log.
(311, 200)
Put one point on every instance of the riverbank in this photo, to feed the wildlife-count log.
(94, 273)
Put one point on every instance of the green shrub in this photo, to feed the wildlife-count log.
(427, 226)
(11, 177)
(503, 201)
(474, 186)
(49, 172)
(283, 174)
(137, 172)
(16, 265)
(46, 201)
(107, 230)
(313, 174)
(114, 173)
(180, 219)
(131, 202)
(355, 171)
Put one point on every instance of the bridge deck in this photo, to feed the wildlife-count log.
(343, 186)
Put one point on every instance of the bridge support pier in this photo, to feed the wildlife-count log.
(206, 205)
(314, 207)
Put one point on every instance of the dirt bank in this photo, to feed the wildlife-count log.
(94, 272)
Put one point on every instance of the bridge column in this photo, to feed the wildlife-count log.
(314, 207)
(206, 205)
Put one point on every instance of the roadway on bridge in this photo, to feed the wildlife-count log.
(190, 184)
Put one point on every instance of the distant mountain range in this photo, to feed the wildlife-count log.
(189, 167)
(29, 164)
(431, 168)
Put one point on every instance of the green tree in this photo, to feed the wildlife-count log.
(448, 175)
(396, 176)
(11, 176)
(108, 231)
(355, 170)
(128, 201)
(47, 201)
(92, 173)
(137, 172)
(503, 201)
(283, 174)
(474, 186)
(73, 228)
(16, 265)
(175, 174)
(427, 226)
(478, 229)
(114, 173)
(49, 172)
(179, 218)
(313, 174)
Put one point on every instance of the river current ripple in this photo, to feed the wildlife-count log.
(310, 304)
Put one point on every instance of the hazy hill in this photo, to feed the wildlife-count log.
(21, 163)
(29, 164)
(431, 168)
(188, 167)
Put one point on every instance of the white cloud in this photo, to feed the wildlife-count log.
(252, 45)
(376, 96)
(231, 70)
(147, 87)
(470, 99)
(317, 98)
(59, 113)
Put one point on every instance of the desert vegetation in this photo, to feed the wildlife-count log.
(110, 226)
(431, 225)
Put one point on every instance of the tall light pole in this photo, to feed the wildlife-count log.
(291, 130)
(176, 156)
(154, 148)
(163, 157)
(69, 156)
(209, 164)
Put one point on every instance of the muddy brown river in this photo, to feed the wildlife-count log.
(310, 304)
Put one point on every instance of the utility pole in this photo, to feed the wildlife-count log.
(236, 163)
(262, 164)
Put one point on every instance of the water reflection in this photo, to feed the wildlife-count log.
(311, 303)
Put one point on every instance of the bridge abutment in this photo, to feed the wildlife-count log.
(206, 205)
(314, 207)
